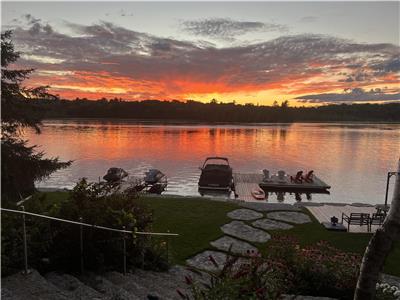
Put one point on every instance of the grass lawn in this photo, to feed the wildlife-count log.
(198, 221)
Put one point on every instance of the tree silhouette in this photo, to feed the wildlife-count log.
(21, 165)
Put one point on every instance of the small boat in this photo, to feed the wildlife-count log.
(153, 176)
(155, 181)
(115, 175)
(216, 174)
(258, 193)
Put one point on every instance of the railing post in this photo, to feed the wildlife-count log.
(81, 243)
(168, 247)
(26, 270)
(124, 241)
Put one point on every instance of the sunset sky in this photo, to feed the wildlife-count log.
(258, 52)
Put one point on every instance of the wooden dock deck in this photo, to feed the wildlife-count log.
(324, 212)
(244, 184)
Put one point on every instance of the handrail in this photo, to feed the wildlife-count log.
(88, 225)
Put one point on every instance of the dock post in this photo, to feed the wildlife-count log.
(81, 242)
(26, 270)
(124, 249)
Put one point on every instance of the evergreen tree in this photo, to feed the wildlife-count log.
(21, 165)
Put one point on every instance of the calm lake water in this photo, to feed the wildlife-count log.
(352, 158)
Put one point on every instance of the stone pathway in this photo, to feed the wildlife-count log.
(289, 216)
(244, 214)
(227, 243)
(268, 224)
(250, 225)
(245, 232)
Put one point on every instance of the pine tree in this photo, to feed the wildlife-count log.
(21, 165)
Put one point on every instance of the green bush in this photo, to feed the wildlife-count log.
(54, 245)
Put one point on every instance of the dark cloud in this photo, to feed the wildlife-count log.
(390, 65)
(358, 76)
(351, 95)
(227, 29)
(106, 47)
(31, 19)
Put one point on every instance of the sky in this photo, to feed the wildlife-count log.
(309, 53)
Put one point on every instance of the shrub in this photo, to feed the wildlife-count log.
(238, 278)
(59, 243)
(318, 270)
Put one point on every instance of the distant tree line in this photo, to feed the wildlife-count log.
(214, 111)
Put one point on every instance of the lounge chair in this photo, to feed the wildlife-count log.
(309, 177)
(357, 219)
(266, 175)
(281, 176)
(298, 178)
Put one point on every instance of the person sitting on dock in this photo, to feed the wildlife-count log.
(298, 178)
(309, 177)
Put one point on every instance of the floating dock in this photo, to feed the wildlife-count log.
(244, 184)
(274, 183)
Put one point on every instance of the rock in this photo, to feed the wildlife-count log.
(202, 260)
(244, 214)
(290, 216)
(269, 206)
(32, 286)
(245, 232)
(227, 243)
(268, 224)
(74, 287)
(300, 297)
(391, 280)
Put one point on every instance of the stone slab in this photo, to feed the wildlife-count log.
(227, 243)
(269, 206)
(268, 224)
(245, 232)
(202, 260)
(289, 216)
(244, 214)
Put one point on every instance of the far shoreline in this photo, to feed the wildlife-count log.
(192, 122)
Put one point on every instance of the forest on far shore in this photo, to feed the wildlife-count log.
(214, 112)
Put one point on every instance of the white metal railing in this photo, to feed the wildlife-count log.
(81, 224)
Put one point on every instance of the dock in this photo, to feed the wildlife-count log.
(244, 184)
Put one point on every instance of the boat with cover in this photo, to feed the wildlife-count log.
(216, 174)
(115, 175)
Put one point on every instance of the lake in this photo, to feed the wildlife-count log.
(353, 158)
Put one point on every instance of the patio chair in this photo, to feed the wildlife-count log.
(357, 219)
(298, 178)
(377, 219)
(309, 177)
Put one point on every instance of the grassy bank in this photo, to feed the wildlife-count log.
(198, 221)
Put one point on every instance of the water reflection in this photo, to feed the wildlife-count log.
(352, 158)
